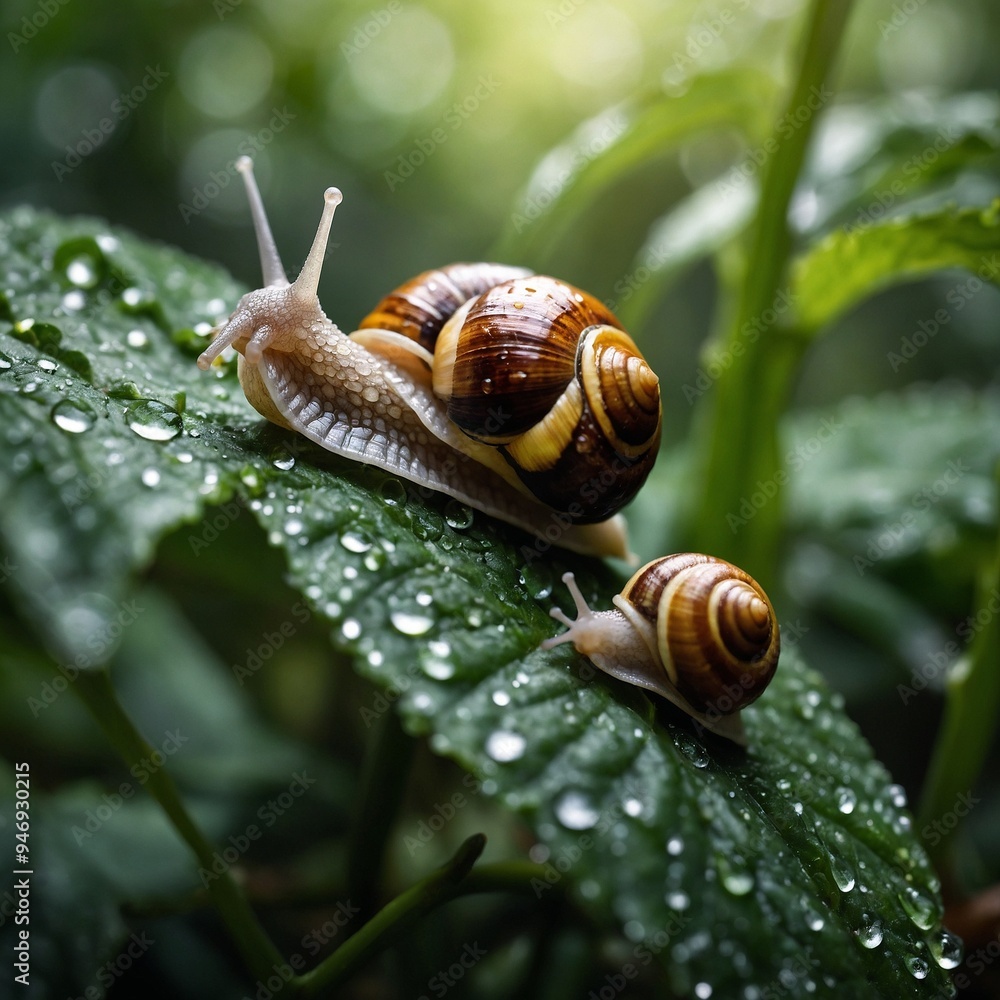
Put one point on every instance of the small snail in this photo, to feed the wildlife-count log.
(516, 393)
(695, 629)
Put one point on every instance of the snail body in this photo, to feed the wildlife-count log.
(515, 393)
(694, 629)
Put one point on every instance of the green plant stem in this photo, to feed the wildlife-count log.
(740, 430)
(382, 783)
(972, 710)
(456, 878)
(257, 949)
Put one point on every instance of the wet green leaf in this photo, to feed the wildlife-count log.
(789, 866)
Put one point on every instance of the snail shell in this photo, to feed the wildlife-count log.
(693, 628)
(515, 393)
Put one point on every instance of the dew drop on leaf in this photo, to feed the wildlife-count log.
(947, 950)
(409, 623)
(355, 542)
(917, 966)
(871, 934)
(154, 421)
(150, 477)
(501, 698)
(504, 746)
(73, 416)
(282, 459)
(846, 800)
(918, 908)
(137, 339)
(575, 811)
(842, 875)
(457, 515)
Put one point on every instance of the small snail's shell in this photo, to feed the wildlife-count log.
(693, 628)
(716, 633)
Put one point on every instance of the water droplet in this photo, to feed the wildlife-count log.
(81, 272)
(293, 526)
(675, 845)
(351, 629)
(457, 515)
(501, 698)
(576, 812)
(897, 796)
(917, 966)
(150, 477)
(678, 900)
(153, 420)
(47, 365)
(736, 880)
(702, 991)
(392, 491)
(691, 748)
(918, 908)
(505, 746)
(947, 950)
(439, 670)
(846, 800)
(842, 875)
(633, 807)
(137, 339)
(73, 416)
(5, 362)
(410, 624)
(355, 542)
(871, 934)
(282, 459)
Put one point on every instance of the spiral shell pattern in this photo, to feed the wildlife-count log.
(716, 631)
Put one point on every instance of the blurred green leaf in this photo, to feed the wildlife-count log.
(847, 267)
(604, 150)
(794, 859)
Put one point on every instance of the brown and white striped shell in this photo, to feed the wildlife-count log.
(515, 393)
(695, 629)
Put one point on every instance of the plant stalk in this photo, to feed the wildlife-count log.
(740, 429)
(257, 949)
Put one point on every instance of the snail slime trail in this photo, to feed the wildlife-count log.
(516, 393)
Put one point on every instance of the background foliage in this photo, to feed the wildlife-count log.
(885, 517)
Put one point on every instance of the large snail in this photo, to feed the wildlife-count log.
(695, 629)
(516, 393)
